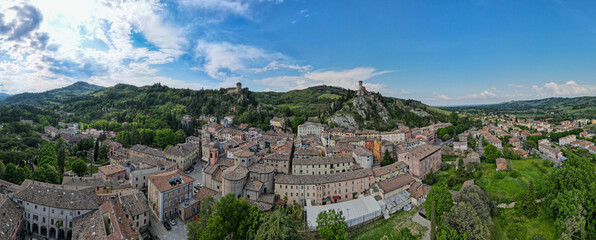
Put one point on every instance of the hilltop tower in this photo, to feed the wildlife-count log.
(361, 89)
(238, 87)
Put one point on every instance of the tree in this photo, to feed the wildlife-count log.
(491, 153)
(47, 154)
(60, 154)
(332, 225)
(165, 137)
(387, 159)
(569, 193)
(477, 198)
(96, 151)
(207, 211)
(433, 222)
(441, 198)
(195, 229)
(530, 144)
(277, 226)
(2, 170)
(295, 122)
(14, 174)
(446, 232)
(464, 219)
(461, 171)
(46, 173)
(528, 205)
(79, 167)
(430, 178)
(451, 181)
(472, 143)
(234, 219)
(405, 234)
(251, 223)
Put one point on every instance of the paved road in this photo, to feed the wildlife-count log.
(177, 232)
(422, 221)
(197, 174)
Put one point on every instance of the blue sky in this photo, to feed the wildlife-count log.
(438, 52)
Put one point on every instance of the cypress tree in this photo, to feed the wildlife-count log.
(433, 222)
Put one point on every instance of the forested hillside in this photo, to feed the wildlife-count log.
(159, 106)
(51, 97)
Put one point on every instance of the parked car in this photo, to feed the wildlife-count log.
(172, 221)
(167, 225)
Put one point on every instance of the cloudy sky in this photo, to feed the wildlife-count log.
(438, 52)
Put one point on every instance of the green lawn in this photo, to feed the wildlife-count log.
(508, 224)
(442, 177)
(446, 158)
(68, 165)
(388, 228)
(509, 189)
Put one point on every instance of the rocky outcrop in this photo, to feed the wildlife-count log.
(343, 119)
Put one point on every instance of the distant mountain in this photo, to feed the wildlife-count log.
(52, 97)
(4, 96)
(125, 103)
(583, 107)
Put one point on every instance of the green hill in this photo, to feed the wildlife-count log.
(52, 97)
(161, 106)
(577, 107)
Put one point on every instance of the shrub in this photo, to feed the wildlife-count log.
(430, 179)
(500, 175)
(444, 166)
(514, 174)
(451, 181)
(516, 231)
(478, 175)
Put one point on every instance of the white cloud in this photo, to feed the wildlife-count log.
(234, 7)
(223, 60)
(226, 6)
(483, 95)
(346, 79)
(441, 96)
(570, 88)
(47, 42)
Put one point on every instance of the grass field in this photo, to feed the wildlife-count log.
(329, 96)
(442, 177)
(509, 189)
(508, 225)
(388, 228)
(446, 158)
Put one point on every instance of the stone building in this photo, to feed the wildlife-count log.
(170, 194)
(50, 209)
(323, 189)
(322, 165)
(183, 154)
